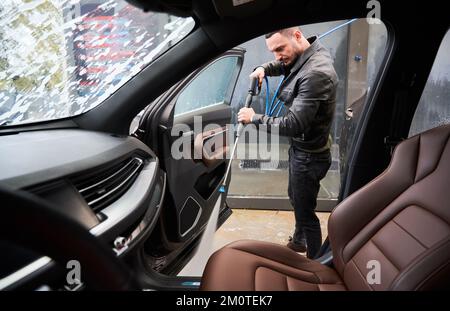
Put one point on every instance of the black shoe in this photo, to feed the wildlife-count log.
(296, 247)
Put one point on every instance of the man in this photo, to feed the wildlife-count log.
(309, 91)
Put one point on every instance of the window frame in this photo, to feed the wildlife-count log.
(229, 92)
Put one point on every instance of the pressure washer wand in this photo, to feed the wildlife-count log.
(252, 91)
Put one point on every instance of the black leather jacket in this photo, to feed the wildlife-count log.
(309, 91)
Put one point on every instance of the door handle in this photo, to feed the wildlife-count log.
(217, 146)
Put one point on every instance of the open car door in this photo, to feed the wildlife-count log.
(191, 140)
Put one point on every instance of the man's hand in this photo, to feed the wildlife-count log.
(245, 115)
(258, 73)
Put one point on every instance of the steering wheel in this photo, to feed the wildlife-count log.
(33, 223)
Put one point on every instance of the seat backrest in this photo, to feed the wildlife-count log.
(399, 224)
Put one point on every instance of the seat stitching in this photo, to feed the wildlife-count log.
(407, 232)
(423, 207)
(283, 275)
(286, 277)
(421, 257)
(244, 251)
(426, 209)
(377, 228)
(274, 268)
(320, 279)
(293, 277)
(374, 231)
(383, 253)
(360, 273)
(432, 213)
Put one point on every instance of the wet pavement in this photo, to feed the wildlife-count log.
(270, 226)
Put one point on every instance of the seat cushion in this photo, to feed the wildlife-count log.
(254, 265)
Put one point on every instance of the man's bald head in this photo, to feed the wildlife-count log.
(286, 44)
(287, 32)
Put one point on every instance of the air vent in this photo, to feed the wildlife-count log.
(103, 187)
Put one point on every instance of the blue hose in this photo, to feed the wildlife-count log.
(279, 111)
(270, 108)
(336, 28)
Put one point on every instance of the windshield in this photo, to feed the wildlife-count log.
(60, 58)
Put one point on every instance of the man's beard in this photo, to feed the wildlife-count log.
(291, 64)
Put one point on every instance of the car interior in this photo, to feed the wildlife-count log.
(84, 186)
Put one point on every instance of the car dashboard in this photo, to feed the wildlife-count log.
(110, 184)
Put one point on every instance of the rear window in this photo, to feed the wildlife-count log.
(434, 106)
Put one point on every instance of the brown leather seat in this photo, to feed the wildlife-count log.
(401, 220)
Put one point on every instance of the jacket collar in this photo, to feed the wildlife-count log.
(302, 58)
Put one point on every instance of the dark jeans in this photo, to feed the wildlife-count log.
(305, 172)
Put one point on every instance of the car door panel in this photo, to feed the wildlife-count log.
(217, 114)
(194, 179)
